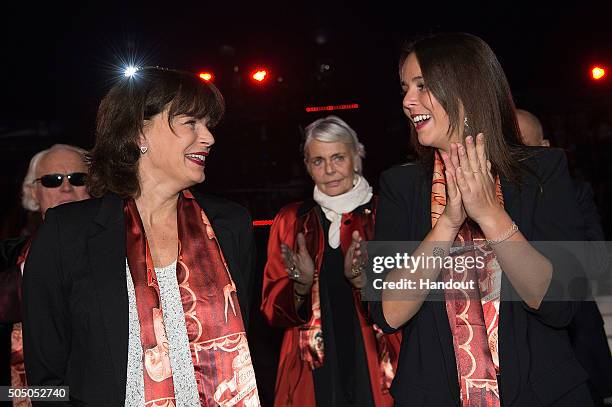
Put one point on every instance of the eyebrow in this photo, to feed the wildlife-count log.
(416, 78)
(332, 156)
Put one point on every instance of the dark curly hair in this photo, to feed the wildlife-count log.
(121, 116)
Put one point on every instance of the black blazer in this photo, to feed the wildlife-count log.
(75, 294)
(537, 365)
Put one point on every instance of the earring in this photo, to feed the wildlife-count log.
(143, 149)
(465, 122)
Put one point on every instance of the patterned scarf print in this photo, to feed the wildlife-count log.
(474, 327)
(311, 333)
(217, 340)
(18, 374)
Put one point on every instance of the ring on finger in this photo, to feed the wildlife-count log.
(295, 273)
(356, 269)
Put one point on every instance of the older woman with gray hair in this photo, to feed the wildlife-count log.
(331, 354)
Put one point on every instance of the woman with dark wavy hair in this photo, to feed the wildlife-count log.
(500, 337)
(140, 297)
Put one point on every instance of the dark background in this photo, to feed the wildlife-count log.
(58, 60)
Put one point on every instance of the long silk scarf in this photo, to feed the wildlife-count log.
(473, 314)
(217, 339)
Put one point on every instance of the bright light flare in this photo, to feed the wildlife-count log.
(259, 75)
(130, 71)
(207, 76)
(597, 72)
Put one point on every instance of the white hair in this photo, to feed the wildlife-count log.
(333, 129)
(27, 199)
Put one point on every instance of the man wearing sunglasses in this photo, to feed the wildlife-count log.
(55, 176)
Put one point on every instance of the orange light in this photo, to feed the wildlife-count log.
(311, 109)
(598, 72)
(207, 76)
(259, 75)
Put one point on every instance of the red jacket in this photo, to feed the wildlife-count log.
(294, 380)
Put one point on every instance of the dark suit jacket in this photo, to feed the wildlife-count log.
(586, 332)
(75, 294)
(586, 204)
(537, 365)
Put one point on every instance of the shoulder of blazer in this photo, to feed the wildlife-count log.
(403, 172)
(541, 164)
(79, 217)
(405, 178)
(544, 161)
(217, 208)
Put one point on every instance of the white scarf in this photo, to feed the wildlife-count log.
(334, 206)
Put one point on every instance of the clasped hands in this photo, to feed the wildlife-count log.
(470, 185)
(300, 266)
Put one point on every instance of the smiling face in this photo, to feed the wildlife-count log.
(430, 120)
(331, 166)
(176, 156)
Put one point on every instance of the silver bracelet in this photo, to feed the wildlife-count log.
(507, 235)
(438, 252)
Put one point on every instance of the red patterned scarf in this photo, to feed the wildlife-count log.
(311, 333)
(217, 339)
(18, 374)
(474, 327)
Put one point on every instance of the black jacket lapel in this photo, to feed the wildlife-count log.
(106, 249)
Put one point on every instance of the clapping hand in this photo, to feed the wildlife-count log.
(355, 260)
(299, 265)
(476, 182)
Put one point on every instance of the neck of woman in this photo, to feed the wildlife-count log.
(156, 206)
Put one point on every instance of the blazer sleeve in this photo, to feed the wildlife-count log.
(558, 219)
(46, 317)
(392, 224)
(277, 303)
(590, 214)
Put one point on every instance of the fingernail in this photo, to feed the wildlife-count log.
(469, 139)
(481, 136)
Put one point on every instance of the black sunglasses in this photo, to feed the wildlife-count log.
(76, 179)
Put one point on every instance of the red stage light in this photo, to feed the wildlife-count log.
(207, 76)
(259, 75)
(262, 222)
(311, 109)
(597, 72)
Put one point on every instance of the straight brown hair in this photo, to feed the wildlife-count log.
(461, 70)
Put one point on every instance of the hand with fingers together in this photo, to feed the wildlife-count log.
(299, 266)
(355, 261)
(475, 181)
(454, 212)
